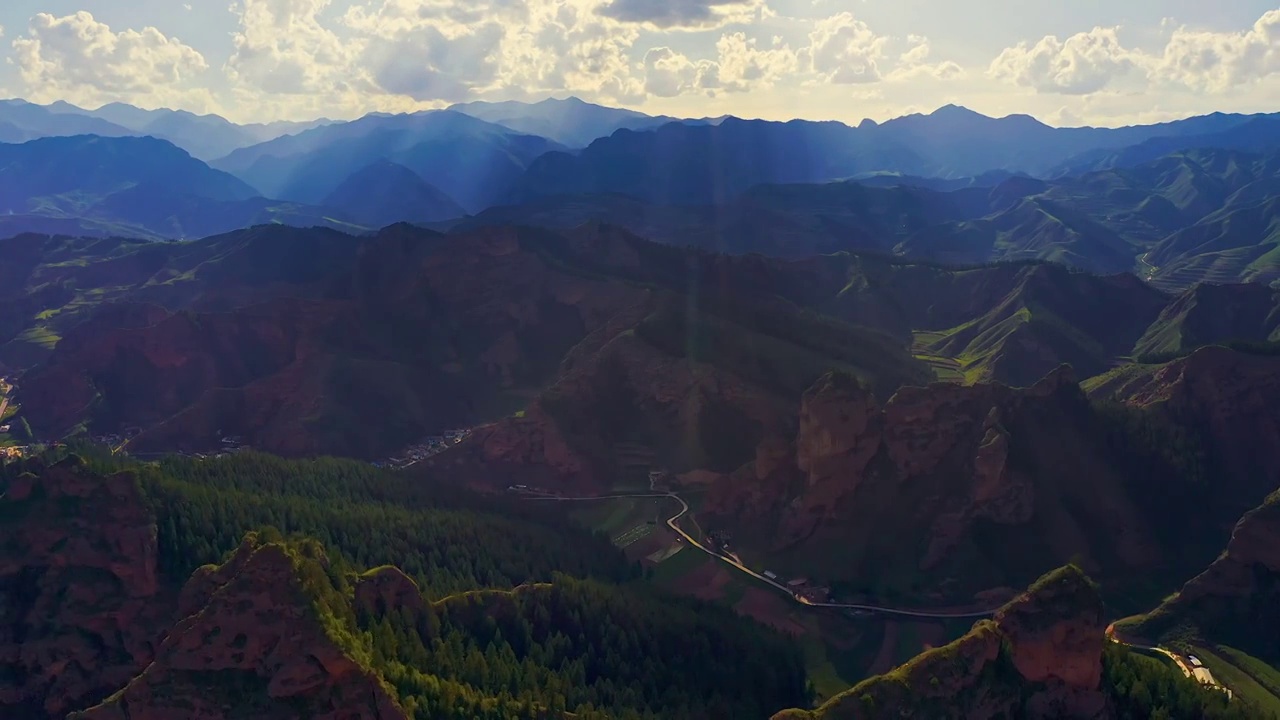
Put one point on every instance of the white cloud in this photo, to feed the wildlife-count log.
(744, 66)
(1218, 61)
(282, 48)
(740, 66)
(1200, 60)
(668, 73)
(844, 50)
(914, 63)
(79, 59)
(1083, 63)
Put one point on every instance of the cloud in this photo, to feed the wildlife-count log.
(668, 73)
(741, 65)
(914, 63)
(1083, 63)
(1215, 62)
(744, 66)
(282, 48)
(844, 50)
(683, 14)
(79, 59)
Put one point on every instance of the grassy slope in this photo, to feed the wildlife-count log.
(1252, 680)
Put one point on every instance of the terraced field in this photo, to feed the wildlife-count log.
(946, 369)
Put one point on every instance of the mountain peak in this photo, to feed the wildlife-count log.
(951, 111)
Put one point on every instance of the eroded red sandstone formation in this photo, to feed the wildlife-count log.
(954, 437)
(83, 607)
(1053, 636)
(252, 645)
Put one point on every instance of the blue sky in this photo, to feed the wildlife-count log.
(1085, 61)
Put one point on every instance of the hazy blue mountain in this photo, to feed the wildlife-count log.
(88, 165)
(1228, 132)
(711, 164)
(472, 161)
(128, 186)
(21, 121)
(385, 193)
(964, 143)
(204, 136)
(703, 164)
(570, 121)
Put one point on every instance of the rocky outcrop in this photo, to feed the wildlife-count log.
(387, 590)
(83, 608)
(256, 645)
(1040, 658)
(934, 474)
(1236, 600)
(1228, 398)
(1055, 634)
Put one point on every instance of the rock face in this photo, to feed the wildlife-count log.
(1227, 396)
(1056, 632)
(934, 475)
(627, 385)
(387, 590)
(252, 646)
(1040, 658)
(82, 608)
(1236, 600)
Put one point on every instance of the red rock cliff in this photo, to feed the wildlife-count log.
(253, 645)
(78, 576)
(1040, 658)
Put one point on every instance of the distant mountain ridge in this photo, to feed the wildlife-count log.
(128, 186)
(204, 136)
(690, 164)
(473, 161)
(571, 122)
(385, 193)
(1199, 215)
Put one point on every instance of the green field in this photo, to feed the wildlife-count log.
(834, 668)
(679, 565)
(620, 517)
(1252, 680)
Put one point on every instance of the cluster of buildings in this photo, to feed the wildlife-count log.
(423, 449)
(534, 491)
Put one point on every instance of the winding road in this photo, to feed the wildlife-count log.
(673, 523)
(1201, 674)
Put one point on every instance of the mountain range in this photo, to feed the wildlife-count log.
(1177, 203)
(532, 411)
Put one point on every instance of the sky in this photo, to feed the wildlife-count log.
(1077, 62)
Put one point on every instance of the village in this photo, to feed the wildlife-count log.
(423, 449)
(805, 591)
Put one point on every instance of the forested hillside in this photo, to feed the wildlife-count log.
(447, 636)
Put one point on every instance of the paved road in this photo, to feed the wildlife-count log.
(673, 523)
(1202, 674)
